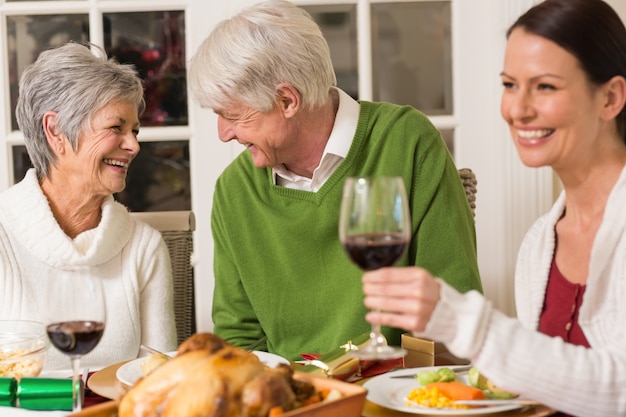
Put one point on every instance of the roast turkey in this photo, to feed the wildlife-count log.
(210, 378)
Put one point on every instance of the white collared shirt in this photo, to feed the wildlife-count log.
(335, 151)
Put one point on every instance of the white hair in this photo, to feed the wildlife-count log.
(76, 83)
(246, 57)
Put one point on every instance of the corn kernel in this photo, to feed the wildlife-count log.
(431, 397)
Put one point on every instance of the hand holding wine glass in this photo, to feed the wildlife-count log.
(75, 320)
(374, 229)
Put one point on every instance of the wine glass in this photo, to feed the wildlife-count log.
(75, 317)
(374, 229)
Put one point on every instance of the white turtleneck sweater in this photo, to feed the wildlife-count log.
(130, 256)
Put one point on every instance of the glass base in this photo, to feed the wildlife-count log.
(380, 352)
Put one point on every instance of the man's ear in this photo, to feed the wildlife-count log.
(615, 97)
(56, 140)
(288, 99)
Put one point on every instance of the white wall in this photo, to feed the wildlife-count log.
(510, 196)
(619, 6)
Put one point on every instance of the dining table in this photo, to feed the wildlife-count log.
(108, 387)
(103, 390)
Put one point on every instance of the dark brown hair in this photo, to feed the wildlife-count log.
(588, 29)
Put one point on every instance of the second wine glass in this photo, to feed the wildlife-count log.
(375, 229)
(75, 320)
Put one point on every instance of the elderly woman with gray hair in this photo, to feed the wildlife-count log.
(79, 113)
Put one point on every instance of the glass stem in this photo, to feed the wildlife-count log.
(376, 334)
(77, 401)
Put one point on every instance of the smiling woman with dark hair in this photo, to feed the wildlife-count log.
(564, 96)
(79, 113)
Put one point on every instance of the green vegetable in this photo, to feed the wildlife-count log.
(426, 377)
(493, 391)
(476, 379)
(446, 375)
(440, 375)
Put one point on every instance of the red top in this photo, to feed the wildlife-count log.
(560, 308)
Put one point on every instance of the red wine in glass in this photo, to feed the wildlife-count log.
(75, 317)
(75, 337)
(371, 251)
(375, 229)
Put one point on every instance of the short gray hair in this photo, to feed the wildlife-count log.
(76, 83)
(246, 57)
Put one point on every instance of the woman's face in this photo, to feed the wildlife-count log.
(105, 151)
(552, 110)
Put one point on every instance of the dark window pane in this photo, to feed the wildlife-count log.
(155, 43)
(158, 178)
(21, 162)
(338, 24)
(412, 59)
(27, 36)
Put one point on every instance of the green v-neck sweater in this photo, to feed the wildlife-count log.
(280, 270)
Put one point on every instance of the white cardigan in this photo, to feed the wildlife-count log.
(131, 257)
(572, 379)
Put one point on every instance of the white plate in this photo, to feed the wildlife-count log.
(389, 392)
(130, 372)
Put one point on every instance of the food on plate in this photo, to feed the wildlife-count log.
(490, 389)
(456, 390)
(440, 389)
(444, 395)
(208, 377)
(202, 341)
(152, 362)
(440, 375)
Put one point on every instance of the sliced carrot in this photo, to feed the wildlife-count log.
(275, 411)
(456, 390)
(324, 393)
(313, 399)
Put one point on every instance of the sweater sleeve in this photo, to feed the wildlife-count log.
(10, 283)
(569, 378)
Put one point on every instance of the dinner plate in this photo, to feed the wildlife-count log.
(105, 384)
(390, 392)
(130, 372)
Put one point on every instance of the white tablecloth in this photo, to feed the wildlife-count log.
(19, 412)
